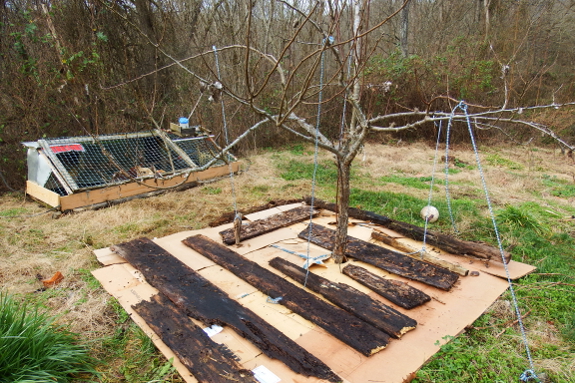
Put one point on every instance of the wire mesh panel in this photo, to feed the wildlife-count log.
(201, 150)
(55, 185)
(94, 162)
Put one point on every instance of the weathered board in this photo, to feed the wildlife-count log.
(385, 259)
(441, 241)
(120, 192)
(202, 300)
(193, 347)
(350, 299)
(229, 217)
(263, 226)
(395, 291)
(413, 252)
(351, 330)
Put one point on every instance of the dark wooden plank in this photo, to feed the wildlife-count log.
(353, 331)
(202, 300)
(385, 259)
(444, 242)
(263, 226)
(193, 347)
(418, 253)
(229, 217)
(395, 291)
(350, 299)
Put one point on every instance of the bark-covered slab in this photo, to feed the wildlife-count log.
(385, 259)
(204, 301)
(418, 253)
(263, 226)
(229, 217)
(350, 299)
(193, 347)
(395, 291)
(444, 242)
(351, 330)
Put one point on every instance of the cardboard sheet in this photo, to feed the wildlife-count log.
(445, 315)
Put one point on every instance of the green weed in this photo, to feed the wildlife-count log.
(126, 228)
(452, 171)
(35, 349)
(569, 329)
(460, 164)
(559, 187)
(14, 212)
(210, 190)
(90, 280)
(295, 170)
(414, 182)
(495, 159)
(297, 150)
(260, 190)
(520, 218)
(132, 354)
(465, 359)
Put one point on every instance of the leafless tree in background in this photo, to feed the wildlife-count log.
(141, 58)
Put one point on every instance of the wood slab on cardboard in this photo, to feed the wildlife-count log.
(446, 315)
(129, 290)
(516, 269)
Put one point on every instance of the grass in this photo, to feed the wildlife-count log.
(414, 182)
(532, 207)
(534, 234)
(495, 159)
(559, 187)
(34, 349)
(326, 173)
(140, 361)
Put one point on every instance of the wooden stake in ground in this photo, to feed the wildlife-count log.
(229, 217)
(202, 300)
(350, 299)
(444, 242)
(397, 292)
(413, 252)
(262, 226)
(351, 330)
(385, 259)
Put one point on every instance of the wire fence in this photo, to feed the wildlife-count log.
(83, 163)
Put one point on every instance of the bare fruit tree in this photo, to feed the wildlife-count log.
(294, 84)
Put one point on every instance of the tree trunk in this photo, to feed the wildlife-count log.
(343, 173)
(404, 33)
(487, 18)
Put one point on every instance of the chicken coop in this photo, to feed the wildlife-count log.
(76, 172)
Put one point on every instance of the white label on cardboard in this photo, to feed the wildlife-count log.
(215, 329)
(263, 375)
